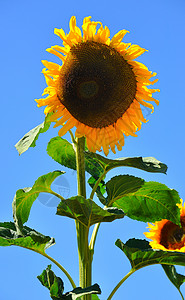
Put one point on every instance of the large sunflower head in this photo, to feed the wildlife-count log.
(166, 235)
(99, 87)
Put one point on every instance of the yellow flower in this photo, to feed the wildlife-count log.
(166, 235)
(99, 87)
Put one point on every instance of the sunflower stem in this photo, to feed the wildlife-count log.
(72, 137)
(181, 294)
(84, 253)
(97, 183)
(94, 236)
(61, 268)
(119, 284)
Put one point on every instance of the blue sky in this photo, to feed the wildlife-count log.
(26, 31)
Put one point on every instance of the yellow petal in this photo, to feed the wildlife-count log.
(70, 124)
(52, 51)
(117, 38)
(61, 49)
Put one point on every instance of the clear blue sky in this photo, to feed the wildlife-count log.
(26, 31)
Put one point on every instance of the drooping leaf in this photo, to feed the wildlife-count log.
(24, 198)
(87, 211)
(79, 292)
(29, 139)
(148, 164)
(52, 282)
(56, 287)
(30, 239)
(63, 152)
(141, 255)
(151, 202)
(176, 278)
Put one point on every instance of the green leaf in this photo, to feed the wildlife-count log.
(24, 198)
(29, 139)
(31, 239)
(63, 152)
(79, 292)
(141, 255)
(56, 287)
(120, 186)
(52, 282)
(174, 277)
(151, 202)
(87, 211)
(95, 297)
(148, 164)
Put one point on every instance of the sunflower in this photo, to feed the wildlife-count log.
(166, 235)
(99, 87)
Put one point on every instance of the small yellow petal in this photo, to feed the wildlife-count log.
(117, 38)
(52, 51)
(70, 124)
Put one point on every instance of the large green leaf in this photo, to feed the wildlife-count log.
(149, 164)
(143, 201)
(63, 152)
(141, 255)
(24, 198)
(87, 211)
(120, 186)
(176, 278)
(30, 239)
(29, 139)
(56, 287)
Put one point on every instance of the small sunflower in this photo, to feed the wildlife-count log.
(166, 235)
(99, 87)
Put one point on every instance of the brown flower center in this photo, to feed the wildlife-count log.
(96, 84)
(172, 236)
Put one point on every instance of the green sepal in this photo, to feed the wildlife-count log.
(87, 211)
(24, 198)
(141, 255)
(56, 287)
(176, 278)
(148, 164)
(29, 139)
(63, 152)
(30, 238)
(143, 201)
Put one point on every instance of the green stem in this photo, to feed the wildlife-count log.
(61, 268)
(181, 295)
(93, 237)
(99, 180)
(96, 227)
(119, 284)
(97, 183)
(84, 253)
(72, 137)
(57, 195)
